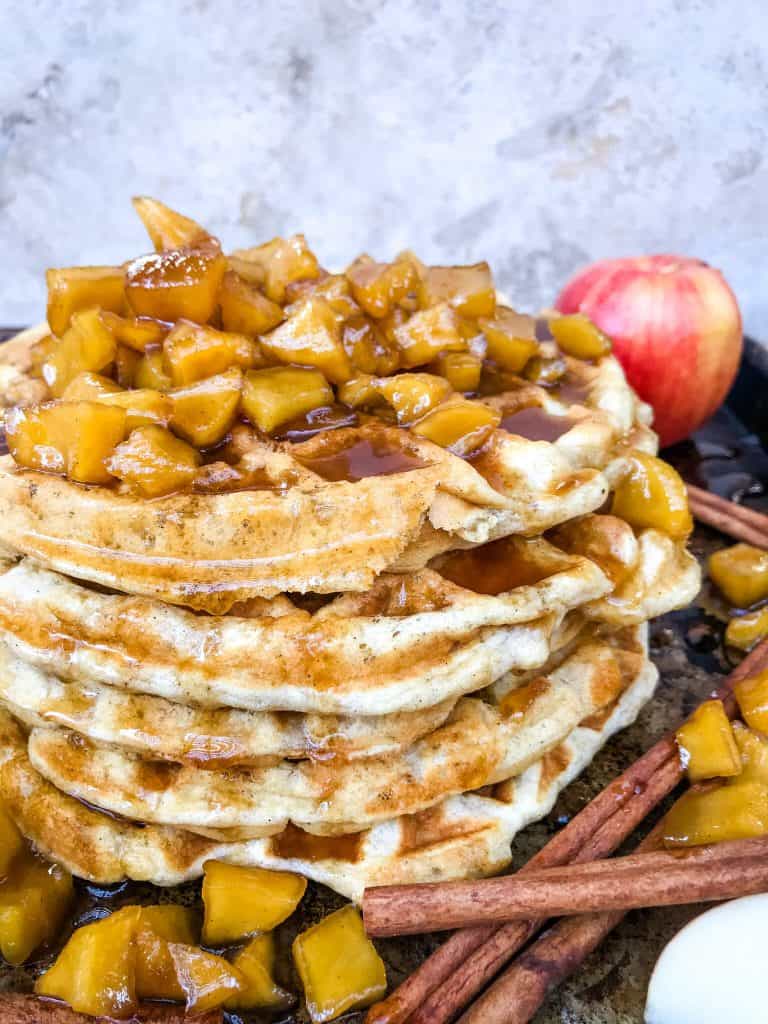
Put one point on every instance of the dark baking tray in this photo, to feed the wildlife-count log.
(728, 456)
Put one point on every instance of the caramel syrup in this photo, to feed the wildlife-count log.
(294, 843)
(572, 390)
(329, 417)
(494, 568)
(362, 459)
(535, 424)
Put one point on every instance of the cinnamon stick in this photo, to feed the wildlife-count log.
(729, 517)
(27, 1009)
(516, 996)
(445, 981)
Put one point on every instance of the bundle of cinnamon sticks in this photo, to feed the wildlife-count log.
(729, 517)
(497, 917)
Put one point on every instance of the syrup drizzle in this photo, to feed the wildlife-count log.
(360, 460)
(535, 424)
(494, 568)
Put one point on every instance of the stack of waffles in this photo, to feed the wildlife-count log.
(361, 644)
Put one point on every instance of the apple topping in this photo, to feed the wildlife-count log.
(511, 339)
(577, 336)
(154, 462)
(461, 369)
(176, 284)
(244, 308)
(469, 290)
(707, 745)
(256, 963)
(460, 425)
(741, 573)
(73, 289)
(241, 901)
(652, 495)
(744, 631)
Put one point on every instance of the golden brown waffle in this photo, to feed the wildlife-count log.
(305, 526)
(463, 835)
(18, 385)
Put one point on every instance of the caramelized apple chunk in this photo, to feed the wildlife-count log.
(138, 332)
(332, 983)
(149, 372)
(282, 261)
(369, 350)
(361, 391)
(11, 842)
(752, 698)
(256, 962)
(245, 309)
(741, 573)
(179, 284)
(379, 287)
(511, 339)
(460, 425)
(577, 336)
(87, 346)
(72, 289)
(706, 743)
(427, 333)
(753, 751)
(546, 373)
(744, 631)
(72, 438)
(89, 387)
(166, 228)
(192, 352)
(461, 369)
(203, 412)
(206, 980)
(96, 971)
(337, 292)
(701, 816)
(126, 365)
(311, 336)
(469, 289)
(35, 898)
(154, 462)
(412, 395)
(652, 495)
(240, 901)
(155, 970)
(272, 397)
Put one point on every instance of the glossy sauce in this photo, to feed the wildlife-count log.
(517, 702)
(362, 459)
(535, 424)
(572, 390)
(330, 417)
(494, 568)
(294, 843)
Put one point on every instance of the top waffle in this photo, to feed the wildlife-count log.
(337, 427)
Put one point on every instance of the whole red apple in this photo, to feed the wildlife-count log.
(676, 329)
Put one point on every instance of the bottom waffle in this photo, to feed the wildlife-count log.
(463, 835)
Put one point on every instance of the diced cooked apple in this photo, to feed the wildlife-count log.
(149, 372)
(741, 573)
(206, 980)
(96, 971)
(88, 387)
(283, 261)
(11, 842)
(368, 348)
(337, 291)
(577, 336)
(73, 438)
(752, 697)
(137, 332)
(166, 228)
(427, 333)
(735, 811)
(240, 901)
(310, 336)
(155, 969)
(379, 287)
(126, 365)
(203, 412)
(179, 284)
(412, 395)
(192, 352)
(273, 396)
(86, 346)
(545, 372)
(72, 289)
(256, 962)
(360, 391)
(460, 425)
(142, 406)
(753, 751)
(40, 353)
(511, 339)
(461, 370)
(335, 983)
(707, 744)
(652, 495)
(35, 897)
(469, 289)
(154, 462)
(744, 631)
(245, 309)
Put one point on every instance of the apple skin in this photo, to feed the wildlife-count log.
(675, 327)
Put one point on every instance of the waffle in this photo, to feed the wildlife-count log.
(18, 385)
(461, 836)
(296, 530)
(410, 642)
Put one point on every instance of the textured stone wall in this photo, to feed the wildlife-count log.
(540, 135)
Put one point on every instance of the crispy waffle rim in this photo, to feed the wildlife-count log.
(480, 744)
(298, 531)
(463, 836)
(411, 642)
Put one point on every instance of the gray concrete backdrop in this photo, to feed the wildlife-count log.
(540, 135)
